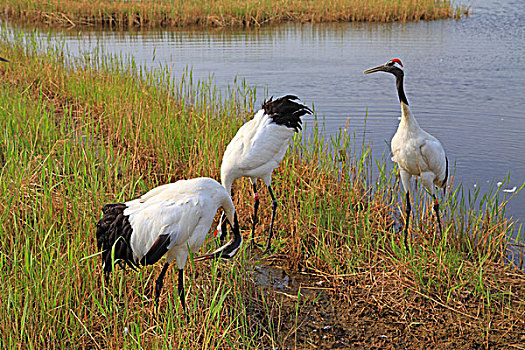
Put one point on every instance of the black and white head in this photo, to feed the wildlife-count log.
(235, 244)
(393, 67)
(229, 250)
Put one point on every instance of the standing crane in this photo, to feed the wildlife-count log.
(171, 220)
(416, 152)
(259, 146)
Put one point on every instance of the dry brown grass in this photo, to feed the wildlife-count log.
(215, 13)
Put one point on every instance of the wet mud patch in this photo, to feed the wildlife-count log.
(364, 311)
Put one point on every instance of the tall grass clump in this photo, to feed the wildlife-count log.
(214, 13)
(76, 136)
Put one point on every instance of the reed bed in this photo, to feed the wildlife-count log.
(76, 136)
(231, 13)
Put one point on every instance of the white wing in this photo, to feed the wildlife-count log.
(434, 156)
(172, 218)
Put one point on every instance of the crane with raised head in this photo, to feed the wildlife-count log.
(170, 220)
(259, 146)
(416, 152)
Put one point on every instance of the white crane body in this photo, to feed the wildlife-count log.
(259, 146)
(416, 152)
(183, 211)
(171, 220)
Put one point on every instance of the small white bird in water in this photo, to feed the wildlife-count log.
(511, 190)
(415, 151)
(260, 145)
(171, 220)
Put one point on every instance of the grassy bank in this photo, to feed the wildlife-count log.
(76, 136)
(214, 13)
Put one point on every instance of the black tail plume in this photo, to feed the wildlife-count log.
(114, 235)
(285, 111)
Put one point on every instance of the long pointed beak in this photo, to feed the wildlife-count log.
(3, 59)
(207, 257)
(380, 68)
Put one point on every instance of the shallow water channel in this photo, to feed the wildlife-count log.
(464, 79)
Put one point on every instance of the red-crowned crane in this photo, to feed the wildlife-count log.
(414, 150)
(171, 220)
(259, 146)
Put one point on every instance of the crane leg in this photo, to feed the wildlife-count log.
(180, 289)
(407, 219)
(270, 234)
(255, 208)
(436, 209)
(160, 282)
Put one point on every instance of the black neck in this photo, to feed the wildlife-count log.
(400, 90)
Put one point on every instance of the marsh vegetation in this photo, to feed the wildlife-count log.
(78, 134)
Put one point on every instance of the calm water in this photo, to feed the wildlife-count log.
(464, 79)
